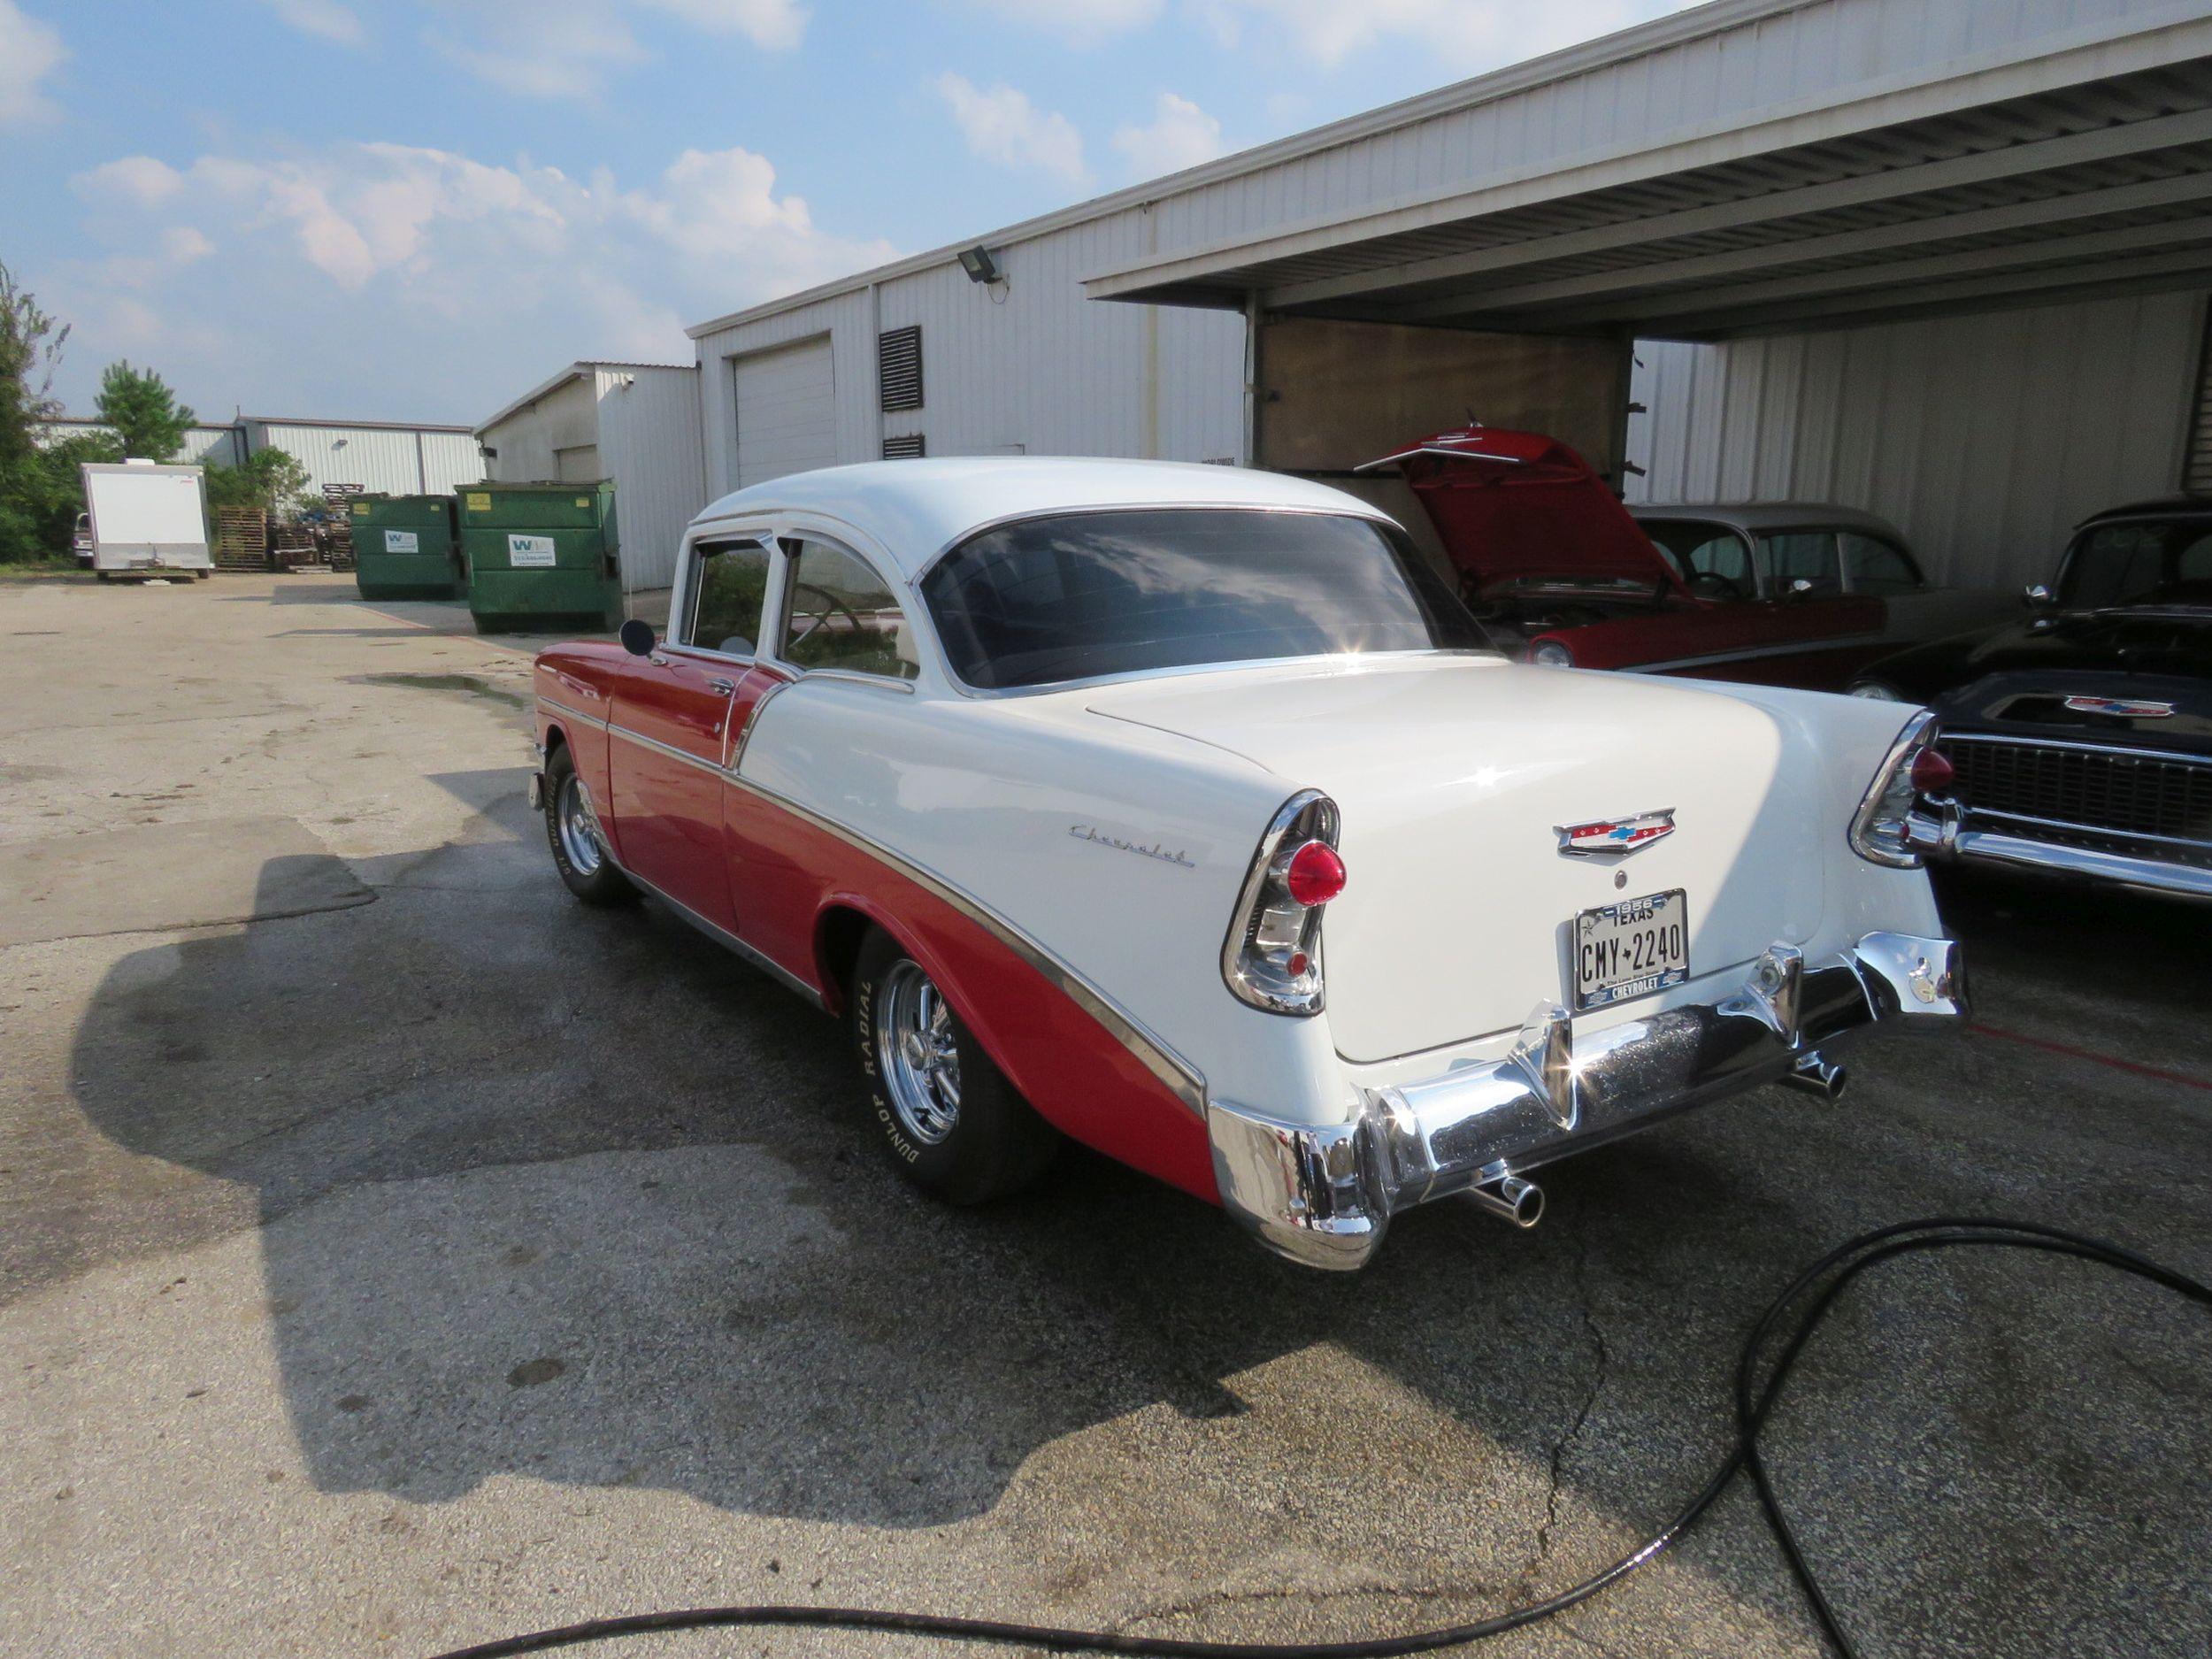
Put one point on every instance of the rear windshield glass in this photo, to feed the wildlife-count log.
(1087, 593)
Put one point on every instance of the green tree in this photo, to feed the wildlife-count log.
(268, 479)
(30, 350)
(142, 410)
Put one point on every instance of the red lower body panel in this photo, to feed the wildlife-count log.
(788, 876)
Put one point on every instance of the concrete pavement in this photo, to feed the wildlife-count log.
(394, 1254)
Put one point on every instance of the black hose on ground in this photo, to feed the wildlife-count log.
(1815, 1292)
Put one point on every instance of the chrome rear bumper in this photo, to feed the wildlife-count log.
(1323, 1196)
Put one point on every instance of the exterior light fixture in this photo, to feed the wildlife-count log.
(980, 265)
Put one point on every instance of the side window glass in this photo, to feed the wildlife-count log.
(1801, 556)
(1874, 566)
(839, 614)
(1712, 558)
(729, 587)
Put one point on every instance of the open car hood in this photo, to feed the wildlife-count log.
(1518, 506)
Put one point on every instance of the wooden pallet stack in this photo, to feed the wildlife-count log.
(242, 539)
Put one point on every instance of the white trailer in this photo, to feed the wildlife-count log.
(147, 516)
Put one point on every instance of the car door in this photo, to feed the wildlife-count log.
(676, 714)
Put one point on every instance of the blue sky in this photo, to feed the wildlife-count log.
(417, 209)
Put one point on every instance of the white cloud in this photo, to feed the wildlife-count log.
(30, 51)
(326, 18)
(471, 279)
(1002, 125)
(1180, 134)
(1463, 35)
(569, 49)
(1078, 22)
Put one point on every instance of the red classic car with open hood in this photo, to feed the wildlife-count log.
(1781, 593)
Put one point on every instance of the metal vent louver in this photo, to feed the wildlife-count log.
(899, 367)
(904, 447)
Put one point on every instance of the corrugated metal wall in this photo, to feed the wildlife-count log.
(389, 460)
(649, 444)
(529, 440)
(1984, 438)
(223, 445)
(1775, 55)
(1031, 367)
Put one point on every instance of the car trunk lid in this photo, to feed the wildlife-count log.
(1453, 774)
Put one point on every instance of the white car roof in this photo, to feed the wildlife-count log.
(916, 508)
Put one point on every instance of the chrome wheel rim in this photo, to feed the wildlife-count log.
(917, 1054)
(579, 833)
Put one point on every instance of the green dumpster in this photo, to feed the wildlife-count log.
(540, 556)
(403, 546)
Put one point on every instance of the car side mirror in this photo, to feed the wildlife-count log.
(2039, 596)
(636, 635)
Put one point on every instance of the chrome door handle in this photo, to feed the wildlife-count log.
(725, 688)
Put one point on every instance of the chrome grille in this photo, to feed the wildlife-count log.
(2118, 801)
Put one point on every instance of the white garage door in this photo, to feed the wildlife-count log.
(787, 413)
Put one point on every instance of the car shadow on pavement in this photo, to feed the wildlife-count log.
(571, 1194)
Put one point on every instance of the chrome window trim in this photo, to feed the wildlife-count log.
(2105, 830)
(567, 713)
(1182, 1078)
(900, 591)
(2175, 755)
(680, 615)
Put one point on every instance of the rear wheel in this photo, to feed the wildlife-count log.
(572, 828)
(947, 1117)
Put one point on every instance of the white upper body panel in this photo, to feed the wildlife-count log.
(913, 510)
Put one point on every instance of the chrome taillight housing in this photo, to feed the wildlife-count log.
(1272, 957)
(1881, 830)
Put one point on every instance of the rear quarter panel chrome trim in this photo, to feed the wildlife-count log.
(1177, 1075)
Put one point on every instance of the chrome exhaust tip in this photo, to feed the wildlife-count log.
(1816, 1076)
(1509, 1198)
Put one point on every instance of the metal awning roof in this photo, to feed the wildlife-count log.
(2079, 172)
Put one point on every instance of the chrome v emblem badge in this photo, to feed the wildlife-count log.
(1614, 837)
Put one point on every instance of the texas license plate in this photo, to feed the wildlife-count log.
(1631, 949)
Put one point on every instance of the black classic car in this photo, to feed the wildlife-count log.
(2078, 739)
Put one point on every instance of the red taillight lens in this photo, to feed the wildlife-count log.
(1931, 772)
(1314, 875)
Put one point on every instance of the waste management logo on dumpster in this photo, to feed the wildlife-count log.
(530, 552)
(402, 542)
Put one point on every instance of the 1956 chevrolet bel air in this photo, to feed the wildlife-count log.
(1184, 812)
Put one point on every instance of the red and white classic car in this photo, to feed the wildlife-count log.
(1778, 592)
(1056, 777)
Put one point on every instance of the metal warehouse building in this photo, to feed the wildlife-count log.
(635, 423)
(383, 457)
(1943, 259)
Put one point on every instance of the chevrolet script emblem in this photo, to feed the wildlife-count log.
(2127, 708)
(1614, 836)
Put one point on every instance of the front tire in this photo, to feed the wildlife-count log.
(945, 1114)
(571, 829)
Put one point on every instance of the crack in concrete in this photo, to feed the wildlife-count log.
(1601, 1364)
(1211, 1599)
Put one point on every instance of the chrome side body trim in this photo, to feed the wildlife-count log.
(669, 750)
(1801, 648)
(722, 936)
(1324, 1196)
(567, 713)
(1181, 1078)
